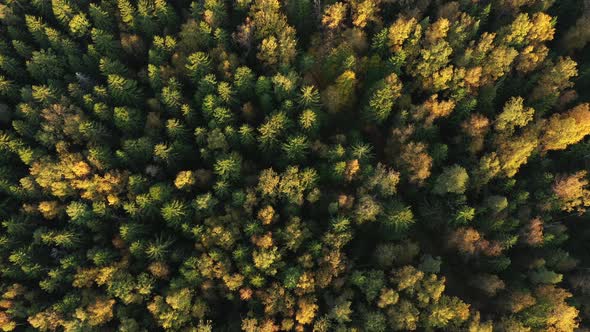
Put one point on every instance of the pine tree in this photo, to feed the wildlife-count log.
(124, 91)
(198, 65)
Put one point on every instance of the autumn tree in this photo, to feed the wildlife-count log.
(572, 192)
(565, 129)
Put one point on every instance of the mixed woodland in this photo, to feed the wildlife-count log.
(295, 165)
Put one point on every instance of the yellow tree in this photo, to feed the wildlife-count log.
(497, 63)
(542, 28)
(433, 109)
(364, 12)
(416, 160)
(399, 32)
(531, 57)
(334, 15)
(437, 31)
(476, 127)
(516, 33)
(306, 311)
(565, 129)
(514, 151)
(513, 115)
(573, 192)
(555, 79)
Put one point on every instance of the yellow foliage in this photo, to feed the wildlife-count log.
(513, 152)
(105, 274)
(518, 30)
(364, 12)
(6, 304)
(100, 312)
(416, 159)
(489, 167)
(13, 291)
(268, 182)
(81, 169)
(106, 187)
(85, 278)
(387, 297)
(265, 258)
(334, 15)
(180, 299)
(567, 128)
(6, 323)
(263, 241)
(484, 45)
(513, 115)
(71, 173)
(159, 270)
(530, 57)
(562, 317)
(269, 51)
(542, 29)
(573, 192)
(246, 294)
(520, 300)
(399, 31)
(184, 180)
(49, 209)
(477, 125)
(307, 308)
(555, 78)
(472, 76)
(306, 283)
(440, 79)
(47, 320)
(233, 282)
(340, 95)
(437, 30)
(352, 168)
(497, 63)
(266, 215)
(433, 109)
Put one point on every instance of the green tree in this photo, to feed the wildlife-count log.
(124, 91)
(198, 65)
(453, 179)
(382, 99)
(228, 168)
(44, 66)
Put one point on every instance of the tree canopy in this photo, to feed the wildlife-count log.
(297, 165)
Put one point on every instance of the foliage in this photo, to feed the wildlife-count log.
(267, 165)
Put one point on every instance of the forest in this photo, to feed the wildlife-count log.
(295, 165)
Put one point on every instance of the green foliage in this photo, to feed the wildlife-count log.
(126, 119)
(453, 179)
(382, 99)
(175, 212)
(295, 148)
(44, 66)
(198, 65)
(267, 165)
(229, 167)
(123, 91)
